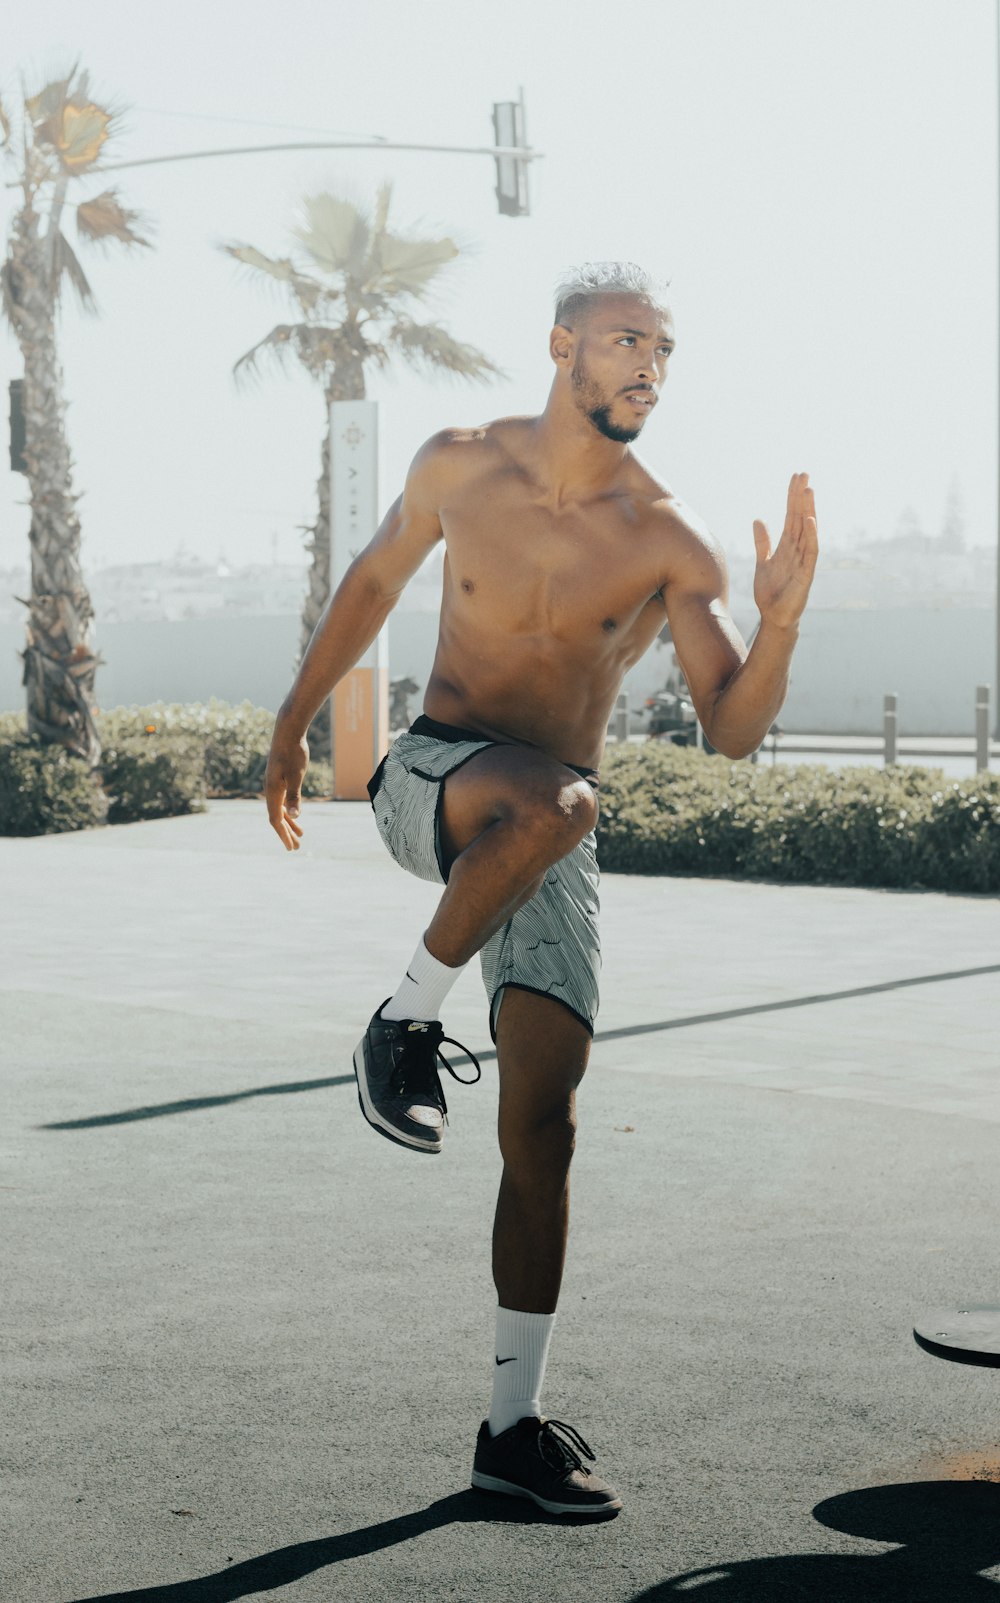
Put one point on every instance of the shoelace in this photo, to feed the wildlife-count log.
(416, 1068)
(561, 1454)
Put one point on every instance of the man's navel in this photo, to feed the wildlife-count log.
(468, 586)
(609, 626)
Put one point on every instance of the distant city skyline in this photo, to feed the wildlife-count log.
(818, 183)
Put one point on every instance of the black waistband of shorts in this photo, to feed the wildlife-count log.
(423, 725)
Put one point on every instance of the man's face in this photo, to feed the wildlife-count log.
(620, 363)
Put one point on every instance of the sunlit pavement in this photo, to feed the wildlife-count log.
(250, 1342)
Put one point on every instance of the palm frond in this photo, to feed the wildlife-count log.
(65, 261)
(104, 218)
(84, 130)
(381, 216)
(49, 101)
(314, 346)
(379, 355)
(70, 125)
(274, 346)
(406, 266)
(309, 292)
(4, 124)
(430, 348)
(336, 234)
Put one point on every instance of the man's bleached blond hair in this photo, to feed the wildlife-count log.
(580, 287)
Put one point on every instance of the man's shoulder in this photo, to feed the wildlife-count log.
(673, 518)
(501, 432)
(687, 546)
(457, 453)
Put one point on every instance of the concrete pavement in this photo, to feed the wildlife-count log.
(249, 1343)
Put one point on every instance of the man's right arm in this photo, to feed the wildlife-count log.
(350, 622)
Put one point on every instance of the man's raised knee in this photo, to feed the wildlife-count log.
(566, 813)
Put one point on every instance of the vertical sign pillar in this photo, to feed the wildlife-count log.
(890, 727)
(360, 712)
(982, 729)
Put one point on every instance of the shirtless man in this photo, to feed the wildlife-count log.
(564, 557)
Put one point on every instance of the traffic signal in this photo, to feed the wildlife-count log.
(512, 171)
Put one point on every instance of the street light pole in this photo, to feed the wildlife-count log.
(511, 157)
(519, 152)
(996, 676)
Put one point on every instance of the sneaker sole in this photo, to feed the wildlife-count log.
(490, 1483)
(375, 1119)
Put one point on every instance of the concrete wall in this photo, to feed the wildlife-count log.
(190, 659)
(844, 664)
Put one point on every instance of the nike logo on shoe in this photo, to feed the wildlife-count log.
(508, 1360)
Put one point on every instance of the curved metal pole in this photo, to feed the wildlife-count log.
(523, 153)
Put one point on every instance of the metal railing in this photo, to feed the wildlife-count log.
(890, 747)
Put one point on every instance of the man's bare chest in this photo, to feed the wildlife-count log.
(519, 567)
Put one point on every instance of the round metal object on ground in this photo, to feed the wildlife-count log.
(967, 1335)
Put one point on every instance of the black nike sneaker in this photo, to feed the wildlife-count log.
(396, 1064)
(532, 1460)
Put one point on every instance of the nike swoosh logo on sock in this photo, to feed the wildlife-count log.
(507, 1360)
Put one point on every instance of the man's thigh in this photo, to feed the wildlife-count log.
(498, 783)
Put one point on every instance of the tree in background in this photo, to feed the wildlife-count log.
(64, 134)
(355, 294)
(909, 531)
(953, 527)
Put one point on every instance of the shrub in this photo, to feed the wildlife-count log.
(234, 742)
(43, 789)
(318, 780)
(152, 777)
(669, 810)
(156, 762)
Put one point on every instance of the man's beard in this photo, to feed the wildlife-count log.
(598, 412)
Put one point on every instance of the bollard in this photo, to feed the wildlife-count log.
(889, 723)
(982, 729)
(621, 717)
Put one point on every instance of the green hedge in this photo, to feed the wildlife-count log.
(156, 762)
(664, 809)
(43, 790)
(669, 810)
(152, 776)
(233, 741)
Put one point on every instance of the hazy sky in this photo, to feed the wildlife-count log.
(816, 178)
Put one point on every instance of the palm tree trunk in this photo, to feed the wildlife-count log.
(348, 386)
(60, 664)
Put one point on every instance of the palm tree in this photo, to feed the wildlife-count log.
(354, 295)
(63, 135)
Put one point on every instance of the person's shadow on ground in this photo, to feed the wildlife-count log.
(950, 1530)
(268, 1571)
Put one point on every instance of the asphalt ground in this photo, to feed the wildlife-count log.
(248, 1343)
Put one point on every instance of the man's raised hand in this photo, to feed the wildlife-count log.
(784, 576)
(287, 762)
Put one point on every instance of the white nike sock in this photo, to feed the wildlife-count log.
(424, 989)
(519, 1367)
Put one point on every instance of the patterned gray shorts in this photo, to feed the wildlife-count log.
(552, 945)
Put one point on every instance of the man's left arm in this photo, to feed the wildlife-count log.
(738, 693)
